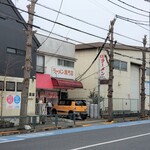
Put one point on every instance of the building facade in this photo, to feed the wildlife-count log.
(55, 66)
(127, 75)
(12, 59)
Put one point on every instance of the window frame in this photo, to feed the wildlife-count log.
(11, 50)
(65, 63)
(9, 88)
(122, 65)
(39, 68)
(18, 89)
(2, 89)
(15, 51)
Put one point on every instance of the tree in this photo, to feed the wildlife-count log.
(94, 96)
(27, 67)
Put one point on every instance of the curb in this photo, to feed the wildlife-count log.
(11, 132)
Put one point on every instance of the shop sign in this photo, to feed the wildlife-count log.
(13, 102)
(66, 73)
(50, 94)
(103, 65)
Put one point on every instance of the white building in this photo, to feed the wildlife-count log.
(55, 69)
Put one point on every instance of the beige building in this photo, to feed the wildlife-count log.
(127, 75)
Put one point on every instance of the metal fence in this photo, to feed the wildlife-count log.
(37, 121)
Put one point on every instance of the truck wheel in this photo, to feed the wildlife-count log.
(83, 117)
(54, 111)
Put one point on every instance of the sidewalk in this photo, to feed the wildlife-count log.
(63, 124)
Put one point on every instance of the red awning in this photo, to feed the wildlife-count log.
(43, 81)
(66, 84)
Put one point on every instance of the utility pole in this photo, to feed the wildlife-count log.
(110, 80)
(143, 78)
(28, 65)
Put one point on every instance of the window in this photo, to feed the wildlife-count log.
(80, 103)
(1, 85)
(11, 50)
(65, 102)
(19, 86)
(65, 63)
(60, 62)
(116, 64)
(148, 71)
(68, 64)
(68, 102)
(62, 102)
(10, 86)
(40, 64)
(21, 52)
(15, 51)
(120, 65)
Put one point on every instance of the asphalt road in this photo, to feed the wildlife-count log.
(119, 136)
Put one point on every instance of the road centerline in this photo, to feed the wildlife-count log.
(112, 141)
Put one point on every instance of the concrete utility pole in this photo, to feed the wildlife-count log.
(110, 80)
(28, 65)
(143, 78)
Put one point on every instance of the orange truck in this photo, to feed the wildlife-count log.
(71, 107)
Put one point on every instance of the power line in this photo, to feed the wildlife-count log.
(132, 20)
(134, 47)
(53, 33)
(54, 23)
(86, 22)
(99, 49)
(96, 3)
(126, 19)
(75, 29)
(22, 22)
(69, 26)
(133, 7)
(128, 9)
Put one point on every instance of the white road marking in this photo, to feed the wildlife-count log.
(113, 141)
(3, 139)
(7, 141)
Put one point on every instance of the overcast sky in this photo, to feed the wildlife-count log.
(96, 12)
